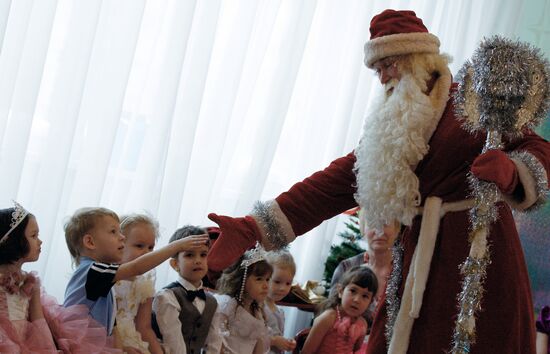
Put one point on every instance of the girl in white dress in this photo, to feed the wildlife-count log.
(134, 298)
(243, 287)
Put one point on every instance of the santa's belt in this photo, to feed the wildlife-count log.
(411, 301)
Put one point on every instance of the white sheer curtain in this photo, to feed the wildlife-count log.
(185, 107)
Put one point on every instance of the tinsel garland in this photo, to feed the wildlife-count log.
(504, 89)
(474, 269)
(539, 175)
(392, 288)
(263, 211)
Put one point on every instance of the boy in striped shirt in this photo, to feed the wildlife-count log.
(95, 242)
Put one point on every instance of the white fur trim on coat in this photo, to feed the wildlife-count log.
(399, 44)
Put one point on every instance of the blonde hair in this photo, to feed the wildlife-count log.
(282, 259)
(134, 219)
(79, 224)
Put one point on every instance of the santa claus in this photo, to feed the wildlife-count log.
(411, 166)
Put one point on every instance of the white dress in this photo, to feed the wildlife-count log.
(129, 295)
(239, 330)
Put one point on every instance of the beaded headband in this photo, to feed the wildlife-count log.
(18, 215)
(255, 255)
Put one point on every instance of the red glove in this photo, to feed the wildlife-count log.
(237, 235)
(494, 166)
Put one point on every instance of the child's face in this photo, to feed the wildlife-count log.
(107, 240)
(280, 283)
(355, 299)
(140, 239)
(191, 265)
(31, 234)
(257, 287)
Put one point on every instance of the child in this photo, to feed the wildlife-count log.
(22, 324)
(24, 311)
(284, 270)
(243, 287)
(135, 297)
(183, 312)
(96, 245)
(341, 327)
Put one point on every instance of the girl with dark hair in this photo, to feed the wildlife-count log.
(341, 328)
(23, 328)
(239, 318)
(30, 320)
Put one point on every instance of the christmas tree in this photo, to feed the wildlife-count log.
(348, 248)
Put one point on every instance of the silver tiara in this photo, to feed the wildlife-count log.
(18, 215)
(254, 255)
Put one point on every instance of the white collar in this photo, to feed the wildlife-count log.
(187, 285)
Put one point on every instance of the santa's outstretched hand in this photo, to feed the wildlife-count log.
(237, 236)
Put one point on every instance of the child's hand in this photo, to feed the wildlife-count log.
(282, 343)
(192, 242)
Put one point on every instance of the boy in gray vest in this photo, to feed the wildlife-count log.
(183, 311)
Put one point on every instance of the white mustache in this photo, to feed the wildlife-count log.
(390, 85)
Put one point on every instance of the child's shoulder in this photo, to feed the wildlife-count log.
(225, 299)
(226, 304)
(329, 315)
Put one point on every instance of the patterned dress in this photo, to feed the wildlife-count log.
(129, 295)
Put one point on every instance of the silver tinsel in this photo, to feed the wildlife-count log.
(486, 195)
(263, 211)
(474, 272)
(503, 90)
(505, 87)
(538, 172)
(392, 289)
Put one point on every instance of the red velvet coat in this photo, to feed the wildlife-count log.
(506, 323)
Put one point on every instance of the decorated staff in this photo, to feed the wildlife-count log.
(503, 90)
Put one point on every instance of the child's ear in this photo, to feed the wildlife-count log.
(88, 242)
(174, 264)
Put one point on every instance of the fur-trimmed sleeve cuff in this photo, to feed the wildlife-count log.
(533, 178)
(273, 224)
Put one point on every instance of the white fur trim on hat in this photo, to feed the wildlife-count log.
(399, 44)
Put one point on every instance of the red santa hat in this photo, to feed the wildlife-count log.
(397, 33)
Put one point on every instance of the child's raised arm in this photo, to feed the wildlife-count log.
(150, 260)
(321, 326)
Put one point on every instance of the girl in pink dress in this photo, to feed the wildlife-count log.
(29, 319)
(341, 328)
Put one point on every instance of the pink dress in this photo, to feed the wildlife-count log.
(17, 333)
(343, 335)
(74, 330)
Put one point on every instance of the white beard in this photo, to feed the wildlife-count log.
(395, 139)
